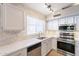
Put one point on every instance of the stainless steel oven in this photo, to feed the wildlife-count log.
(66, 46)
(66, 42)
(67, 35)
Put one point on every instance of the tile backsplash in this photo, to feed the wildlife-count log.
(7, 37)
(52, 34)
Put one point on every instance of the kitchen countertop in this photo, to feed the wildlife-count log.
(15, 46)
(7, 49)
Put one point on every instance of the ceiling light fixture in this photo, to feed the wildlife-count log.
(49, 7)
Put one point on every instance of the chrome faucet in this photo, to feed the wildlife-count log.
(40, 34)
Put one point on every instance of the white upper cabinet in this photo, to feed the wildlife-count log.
(62, 21)
(77, 22)
(52, 25)
(67, 20)
(70, 20)
(12, 18)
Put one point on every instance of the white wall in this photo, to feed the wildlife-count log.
(8, 37)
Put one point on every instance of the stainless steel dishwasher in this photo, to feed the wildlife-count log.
(34, 50)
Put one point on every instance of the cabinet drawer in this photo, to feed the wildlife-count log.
(22, 52)
(46, 46)
(44, 43)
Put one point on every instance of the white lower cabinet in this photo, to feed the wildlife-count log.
(54, 43)
(77, 48)
(22, 52)
(46, 46)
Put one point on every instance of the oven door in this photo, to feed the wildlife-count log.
(66, 47)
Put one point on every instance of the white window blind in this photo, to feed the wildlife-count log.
(35, 25)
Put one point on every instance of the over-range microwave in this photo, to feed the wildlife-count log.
(67, 27)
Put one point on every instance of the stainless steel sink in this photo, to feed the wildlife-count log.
(41, 38)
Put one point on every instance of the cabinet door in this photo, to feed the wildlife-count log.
(49, 45)
(54, 44)
(77, 48)
(53, 25)
(46, 46)
(22, 52)
(77, 22)
(62, 21)
(12, 17)
(70, 20)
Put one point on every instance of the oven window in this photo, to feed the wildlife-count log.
(66, 47)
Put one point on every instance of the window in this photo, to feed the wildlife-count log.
(52, 25)
(35, 25)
